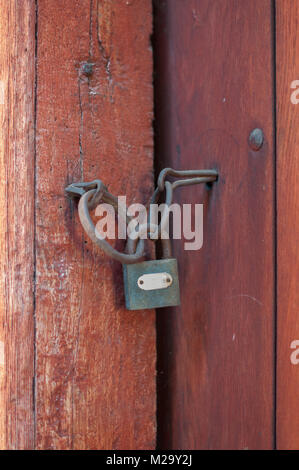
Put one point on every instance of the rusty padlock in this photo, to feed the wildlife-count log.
(148, 284)
(152, 284)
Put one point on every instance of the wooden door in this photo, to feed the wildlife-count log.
(227, 371)
(77, 102)
(77, 369)
(214, 89)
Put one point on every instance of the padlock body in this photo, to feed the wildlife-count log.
(139, 299)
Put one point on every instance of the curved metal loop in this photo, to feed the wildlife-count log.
(101, 193)
(153, 231)
(165, 214)
(193, 177)
(89, 228)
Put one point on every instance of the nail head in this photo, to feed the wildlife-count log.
(256, 139)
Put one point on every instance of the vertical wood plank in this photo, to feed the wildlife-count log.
(17, 46)
(287, 45)
(95, 360)
(214, 85)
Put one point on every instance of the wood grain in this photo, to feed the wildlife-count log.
(214, 85)
(17, 38)
(95, 360)
(287, 44)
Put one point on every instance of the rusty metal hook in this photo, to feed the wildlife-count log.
(92, 193)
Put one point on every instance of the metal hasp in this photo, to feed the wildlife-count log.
(139, 299)
(148, 284)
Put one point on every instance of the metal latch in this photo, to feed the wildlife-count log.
(147, 284)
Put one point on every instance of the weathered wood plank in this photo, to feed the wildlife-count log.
(95, 360)
(287, 44)
(214, 85)
(17, 46)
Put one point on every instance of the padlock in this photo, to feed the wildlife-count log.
(148, 284)
(152, 284)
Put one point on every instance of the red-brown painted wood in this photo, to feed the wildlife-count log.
(17, 45)
(287, 40)
(214, 85)
(95, 360)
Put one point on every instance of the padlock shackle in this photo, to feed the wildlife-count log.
(146, 229)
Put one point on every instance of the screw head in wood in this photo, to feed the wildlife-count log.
(256, 139)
